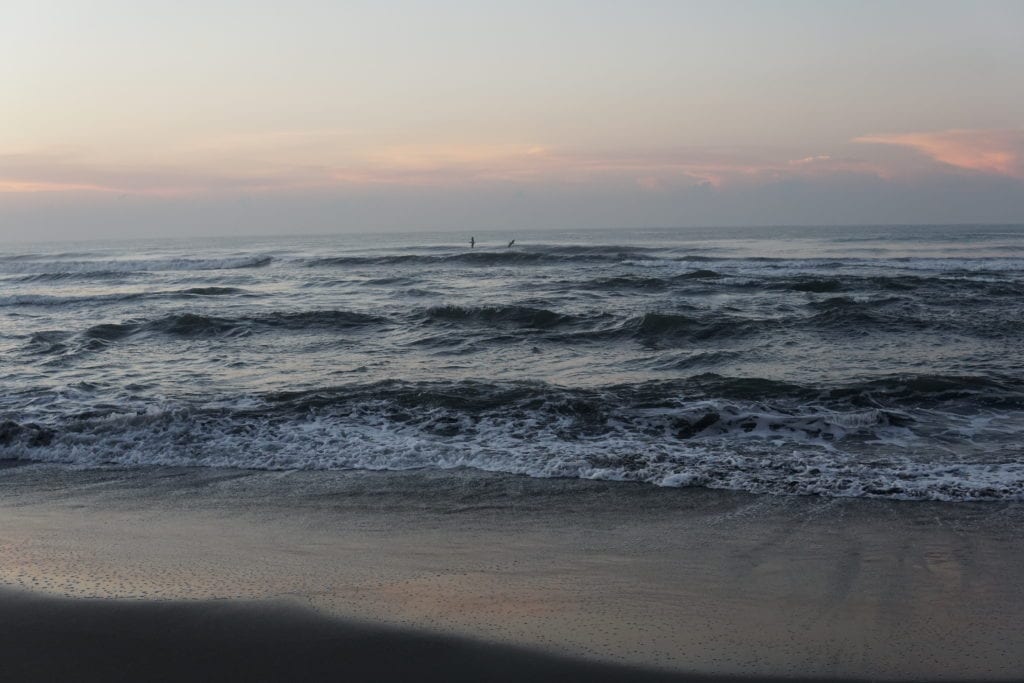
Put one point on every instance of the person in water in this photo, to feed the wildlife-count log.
(511, 243)
(472, 242)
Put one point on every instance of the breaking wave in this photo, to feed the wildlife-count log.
(862, 439)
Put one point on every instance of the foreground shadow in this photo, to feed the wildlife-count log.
(46, 638)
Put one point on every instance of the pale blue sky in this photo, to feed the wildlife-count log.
(160, 117)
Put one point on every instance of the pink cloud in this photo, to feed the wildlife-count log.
(294, 161)
(429, 165)
(994, 152)
(31, 186)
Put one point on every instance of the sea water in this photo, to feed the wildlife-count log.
(870, 361)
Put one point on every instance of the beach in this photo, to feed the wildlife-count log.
(566, 573)
(679, 452)
(512, 341)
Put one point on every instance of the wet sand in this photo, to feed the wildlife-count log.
(580, 573)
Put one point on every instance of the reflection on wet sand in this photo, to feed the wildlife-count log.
(687, 579)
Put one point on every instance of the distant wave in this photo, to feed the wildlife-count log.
(194, 326)
(837, 315)
(46, 256)
(706, 280)
(598, 326)
(857, 316)
(59, 276)
(939, 284)
(712, 431)
(55, 270)
(626, 282)
(481, 257)
(59, 300)
(900, 315)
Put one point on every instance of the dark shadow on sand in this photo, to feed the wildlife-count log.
(46, 638)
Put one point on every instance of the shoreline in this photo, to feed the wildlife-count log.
(686, 581)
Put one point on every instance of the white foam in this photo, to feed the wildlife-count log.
(794, 458)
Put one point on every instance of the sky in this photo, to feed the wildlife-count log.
(126, 118)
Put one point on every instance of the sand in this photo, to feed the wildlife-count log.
(565, 573)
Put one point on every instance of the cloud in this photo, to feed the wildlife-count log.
(810, 160)
(992, 152)
(32, 186)
(321, 161)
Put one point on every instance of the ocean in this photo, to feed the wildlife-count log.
(879, 362)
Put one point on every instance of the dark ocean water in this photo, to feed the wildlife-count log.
(874, 361)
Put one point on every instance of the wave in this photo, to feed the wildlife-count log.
(667, 325)
(523, 316)
(623, 282)
(973, 317)
(41, 256)
(649, 328)
(999, 392)
(682, 433)
(928, 288)
(940, 285)
(626, 282)
(656, 329)
(49, 342)
(57, 300)
(56, 270)
(815, 285)
(702, 274)
(490, 258)
(687, 360)
(451, 325)
(850, 315)
(946, 286)
(318, 319)
(60, 276)
(195, 326)
(918, 391)
(208, 291)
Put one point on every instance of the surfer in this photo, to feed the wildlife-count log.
(511, 243)
(472, 242)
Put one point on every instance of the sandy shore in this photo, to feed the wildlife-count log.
(581, 573)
